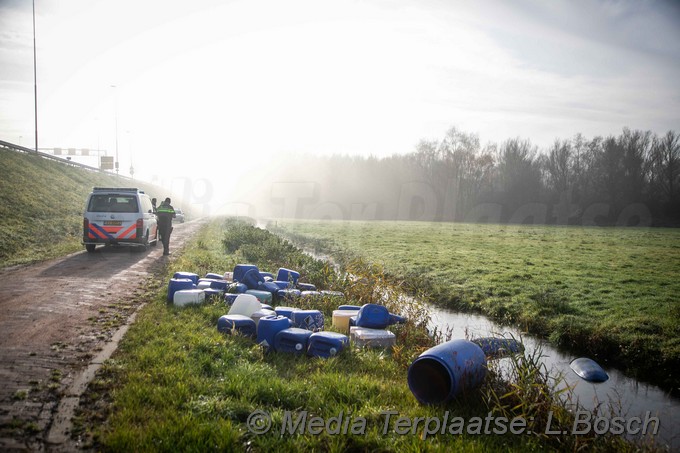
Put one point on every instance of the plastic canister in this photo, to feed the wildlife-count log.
(287, 275)
(264, 297)
(308, 319)
(259, 314)
(282, 284)
(214, 276)
(444, 371)
(212, 293)
(240, 270)
(306, 287)
(230, 298)
(268, 327)
(341, 319)
(373, 316)
(246, 305)
(190, 275)
(292, 340)
(288, 294)
(286, 311)
(237, 288)
(183, 297)
(176, 284)
(363, 337)
(270, 287)
(326, 344)
(237, 323)
(216, 283)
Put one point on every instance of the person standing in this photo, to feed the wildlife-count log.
(165, 213)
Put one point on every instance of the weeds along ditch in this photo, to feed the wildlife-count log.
(176, 383)
(610, 293)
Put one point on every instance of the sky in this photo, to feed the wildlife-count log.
(212, 88)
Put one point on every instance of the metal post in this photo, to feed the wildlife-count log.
(35, 82)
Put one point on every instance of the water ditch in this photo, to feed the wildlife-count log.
(619, 396)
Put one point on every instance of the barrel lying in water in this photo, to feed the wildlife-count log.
(589, 370)
(446, 370)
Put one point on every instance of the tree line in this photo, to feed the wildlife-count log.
(629, 179)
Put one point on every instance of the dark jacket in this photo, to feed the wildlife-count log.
(165, 213)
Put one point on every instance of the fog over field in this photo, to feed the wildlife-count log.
(525, 111)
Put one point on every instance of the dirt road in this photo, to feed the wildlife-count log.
(54, 318)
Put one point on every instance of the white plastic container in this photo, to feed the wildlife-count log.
(184, 297)
(261, 314)
(341, 319)
(364, 337)
(203, 285)
(246, 305)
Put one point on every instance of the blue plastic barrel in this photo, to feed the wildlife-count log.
(287, 275)
(241, 269)
(213, 292)
(267, 307)
(190, 275)
(266, 276)
(237, 324)
(176, 284)
(216, 283)
(237, 288)
(230, 298)
(270, 287)
(286, 311)
(268, 327)
(326, 344)
(292, 340)
(446, 370)
(214, 276)
(308, 319)
(282, 284)
(252, 279)
(373, 316)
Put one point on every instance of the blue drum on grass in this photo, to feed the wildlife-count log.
(237, 324)
(176, 284)
(326, 344)
(292, 340)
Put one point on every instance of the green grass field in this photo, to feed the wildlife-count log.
(610, 292)
(177, 384)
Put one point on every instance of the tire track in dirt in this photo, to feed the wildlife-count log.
(54, 318)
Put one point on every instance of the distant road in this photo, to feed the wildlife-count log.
(54, 317)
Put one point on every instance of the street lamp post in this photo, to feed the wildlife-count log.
(116, 119)
(35, 82)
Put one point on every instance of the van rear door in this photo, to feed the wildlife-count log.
(113, 217)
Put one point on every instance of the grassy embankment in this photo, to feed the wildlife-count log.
(177, 384)
(41, 205)
(608, 292)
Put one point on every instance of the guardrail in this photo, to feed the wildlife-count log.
(23, 149)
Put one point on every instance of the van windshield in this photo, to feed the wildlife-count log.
(113, 203)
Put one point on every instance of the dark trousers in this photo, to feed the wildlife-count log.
(164, 231)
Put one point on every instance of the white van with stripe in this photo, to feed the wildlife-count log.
(119, 216)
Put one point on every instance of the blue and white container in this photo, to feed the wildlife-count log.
(306, 287)
(308, 319)
(190, 275)
(237, 324)
(287, 275)
(246, 305)
(326, 344)
(446, 370)
(240, 271)
(286, 311)
(214, 276)
(268, 327)
(283, 284)
(292, 340)
(175, 284)
(288, 294)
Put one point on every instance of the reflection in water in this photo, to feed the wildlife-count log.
(619, 396)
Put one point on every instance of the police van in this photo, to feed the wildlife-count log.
(119, 216)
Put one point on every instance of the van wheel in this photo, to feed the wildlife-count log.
(90, 247)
